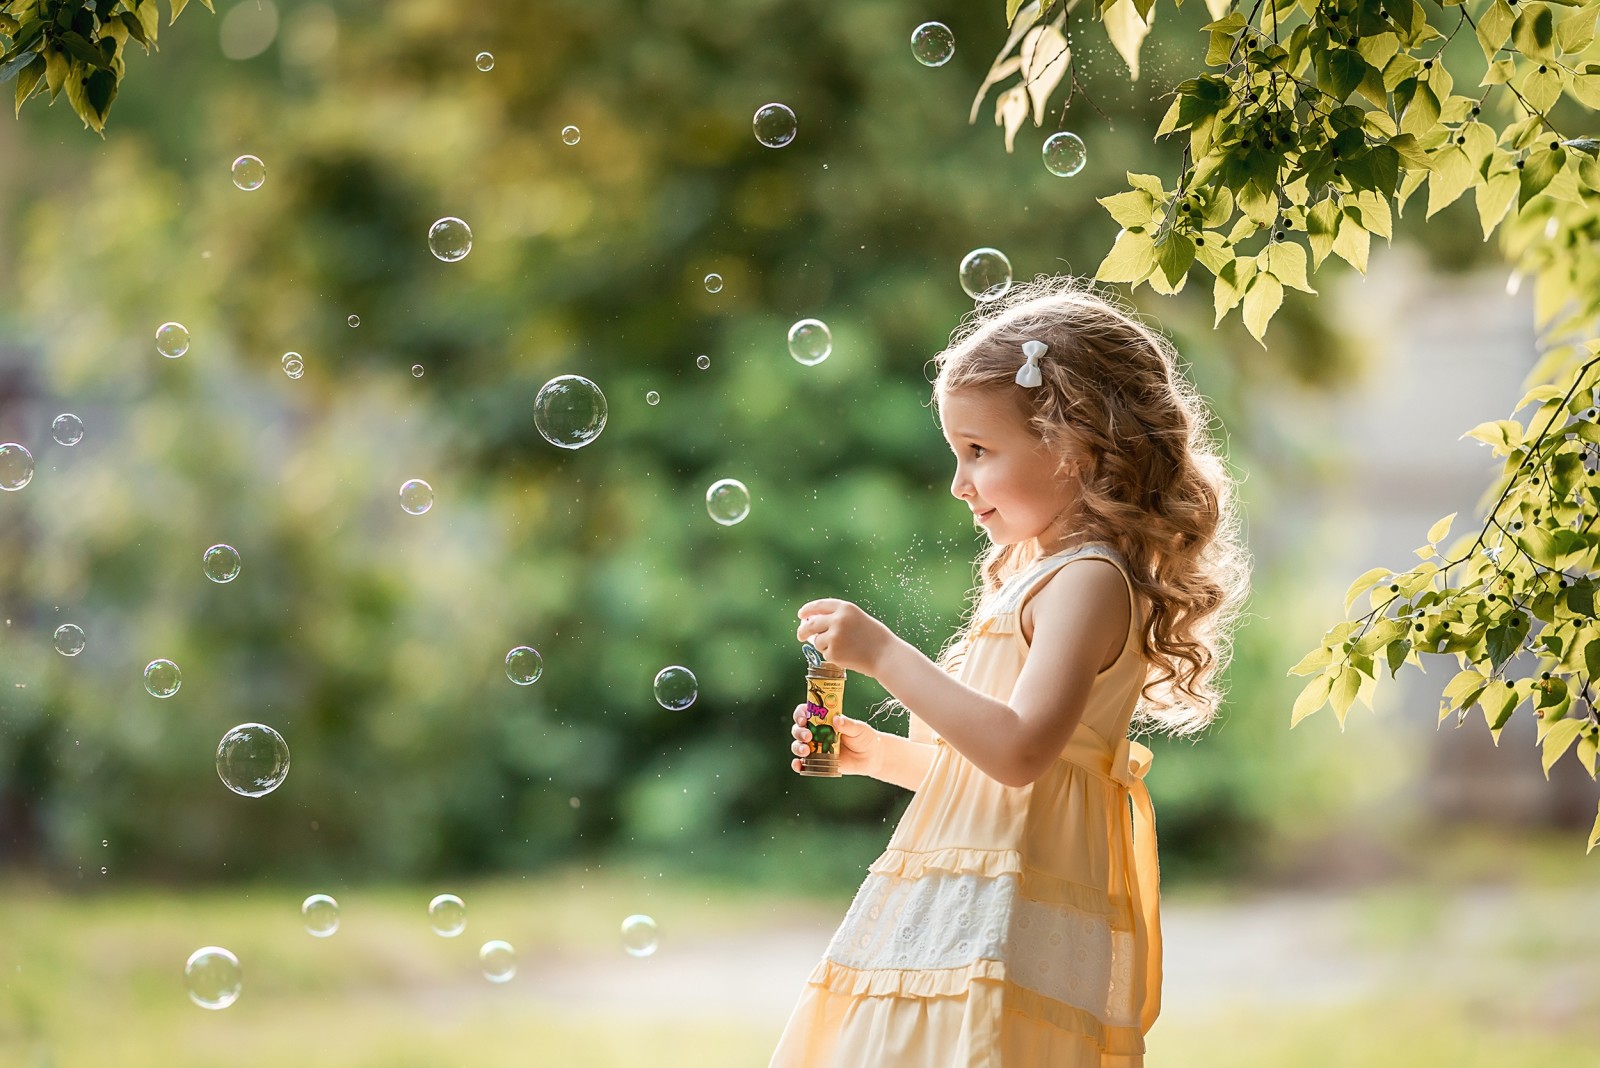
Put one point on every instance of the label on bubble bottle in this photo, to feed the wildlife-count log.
(824, 701)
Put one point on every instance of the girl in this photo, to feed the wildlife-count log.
(1012, 921)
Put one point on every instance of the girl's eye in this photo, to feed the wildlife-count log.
(977, 450)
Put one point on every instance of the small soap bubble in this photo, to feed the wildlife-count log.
(354, 321)
(652, 398)
(524, 665)
(16, 466)
(450, 239)
(252, 759)
(70, 639)
(416, 370)
(933, 44)
(676, 688)
(162, 678)
(485, 61)
(702, 362)
(221, 563)
(213, 977)
(499, 961)
(639, 936)
(294, 368)
(104, 870)
(775, 125)
(416, 496)
(713, 282)
(448, 915)
(321, 914)
(1064, 154)
(810, 341)
(249, 173)
(571, 135)
(985, 274)
(728, 501)
(569, 411)
(172, 340)
(67, 429)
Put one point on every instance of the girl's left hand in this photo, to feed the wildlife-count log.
(845, 634)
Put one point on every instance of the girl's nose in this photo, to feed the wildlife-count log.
(960, 487)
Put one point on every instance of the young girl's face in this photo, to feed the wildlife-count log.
(1004, 472)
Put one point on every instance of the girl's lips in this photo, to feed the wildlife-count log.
(983, 517)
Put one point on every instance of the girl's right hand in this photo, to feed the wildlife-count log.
(858, 742)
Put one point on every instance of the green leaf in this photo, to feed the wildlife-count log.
(1345, 69)
(1397, 655)
(1441, 529)
(1594, 835)
(1322, 225)
(1313, 697)
(1421, 112)
(1131, 259)
(1494, 26)
(1586, 87)
(1133, 208)
(1494, 200)
(1500, 72)
(1502, 643)
(1230, 286)
(1012, 7)
(1541, 166)
(1451, 175)
(1285, 261)
(10, 68)
(1364, 582)
(29, 80)
(1175, 254)
(1399, 68)
(1534, 32)
(1262, 300)
(1541, 88)
(1315, 660)
(1353, 241)
(1576, 32)
(1343, 692)
(1558, 739)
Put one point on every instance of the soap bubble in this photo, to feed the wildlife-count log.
(321, 914)
(728, 501)
(162, 678)
(172, 340)
(1064, 154)
(676, 688)
(293, 365)
(652, 398)
(571, 135)
(985, 274)
(775, 125)
(249, 173)
(16, 466)
(448, 915)
(810, 341)
(713, 282)
(639, 936)
(213, 977)
(354, 321)
(450, 239)
(67, 429)
(485, 61)
(221, 563)
(416, 496)
(69, 639)
(416, 370)
(524, 665)
(702, 362)
(252, 759)
(569, 411)
(933, 44)
(499, 961)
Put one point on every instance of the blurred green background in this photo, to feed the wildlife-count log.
(374, 640)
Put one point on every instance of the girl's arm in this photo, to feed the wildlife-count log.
(1015, 741)
(901, 761)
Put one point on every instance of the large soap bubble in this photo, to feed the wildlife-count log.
(933, 44)
(221, 563)
(249, 173)
(639, 936)
(252, 759)
(450, 239)
(810, 341)
(485, 61)
(676, 688)
(213, 977)
(1064, 154)
(524, 665)
(448, 915)
(985, 274)
(70, 639)
(499, 961)
(162, 678)
(416, 496)
(172, 340)
(569, 411)
(775, 125)
(16, 466)
(728, 501)
(67, 429)
(321, 915)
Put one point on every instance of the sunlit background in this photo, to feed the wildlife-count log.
(1393, 894)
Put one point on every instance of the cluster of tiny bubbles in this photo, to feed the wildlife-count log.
(713, 282)
(213, 977)
(1064, 154)
(172, 340)
(499, 961)
(321, 914)
(571, 135)
(249, 173)
(70, 639)
(524, 665)
(293, 365)
(450, 239)
(221, 563)
(639, 936)
(569, 411)
(676, 688)
(775, 125)
(252, 759)
(162, 678)
(354, 321)
(485, 60)
(16, 466)
(810, 341)
(416, 496)
(448, 915)
(416, 370)
(933, 44)
(67, 429)
(702, 362)
(985, 274)
(652, 398)
(728, 501)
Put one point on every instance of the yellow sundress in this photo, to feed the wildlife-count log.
(1005, 927)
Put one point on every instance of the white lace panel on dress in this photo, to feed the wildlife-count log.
(950, 920)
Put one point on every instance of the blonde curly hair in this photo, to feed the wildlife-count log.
(1115, 406)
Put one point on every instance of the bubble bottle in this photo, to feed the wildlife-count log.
(824, 700)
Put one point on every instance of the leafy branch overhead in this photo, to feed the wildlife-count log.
(76, 46)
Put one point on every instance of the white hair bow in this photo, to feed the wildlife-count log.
(1028, 374)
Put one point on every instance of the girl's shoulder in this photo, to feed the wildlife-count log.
(1014, 590)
